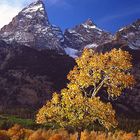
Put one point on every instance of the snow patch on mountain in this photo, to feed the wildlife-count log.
(94, 45)
(34, 7)
(71, 31)
(71, 52)
(91, 27)
(85, 35)
(29, 16)
(88, 26)
(133, 47)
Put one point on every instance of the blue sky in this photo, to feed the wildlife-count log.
(107, 14)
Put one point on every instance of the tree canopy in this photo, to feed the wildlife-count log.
(110, 70)
(77, 106)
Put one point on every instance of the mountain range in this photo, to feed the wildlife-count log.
(36, 56)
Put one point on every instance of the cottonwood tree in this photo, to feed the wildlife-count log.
(110, 70)
(77, 106)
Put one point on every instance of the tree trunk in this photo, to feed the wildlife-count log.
(98, 88)
(79, 134)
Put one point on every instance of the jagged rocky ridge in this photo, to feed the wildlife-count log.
(31, 27)
(88, 35)
(130, 35)
(33, 61)
(85, 35)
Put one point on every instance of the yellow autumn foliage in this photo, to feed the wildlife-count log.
(110, 70)
(78, 106)
(77, 111)
(42, 134)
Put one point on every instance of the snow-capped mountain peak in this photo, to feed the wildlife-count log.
(31, 27)
(89, 24)
(85, 35)
(36, 10)
(34, 7)
(131, 35)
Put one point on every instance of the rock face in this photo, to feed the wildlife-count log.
(84, 35)
(131, 35)
(28, 77)
(31, 27)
